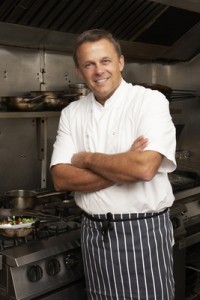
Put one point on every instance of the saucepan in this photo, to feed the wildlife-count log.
(26, 199)
(52, 99)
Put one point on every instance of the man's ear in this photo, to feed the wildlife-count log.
(78, 72)
(121, 63)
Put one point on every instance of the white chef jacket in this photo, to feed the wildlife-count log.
(86, 125)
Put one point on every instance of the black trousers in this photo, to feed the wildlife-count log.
(128, 256)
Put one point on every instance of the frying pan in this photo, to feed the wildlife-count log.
(17, 232)
(24, 229)
(24, 103)
(56, 100)
(20, 230)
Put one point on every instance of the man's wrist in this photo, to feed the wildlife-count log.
(88, 159)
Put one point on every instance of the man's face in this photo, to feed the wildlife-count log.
(100, 67)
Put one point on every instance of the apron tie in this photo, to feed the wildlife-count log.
(106, 224)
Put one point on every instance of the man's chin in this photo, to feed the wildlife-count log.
(102, 97)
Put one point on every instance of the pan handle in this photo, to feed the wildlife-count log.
(38, 215)
(36, 99)
(47, 194)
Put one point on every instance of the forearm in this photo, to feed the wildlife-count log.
(130, 166)
(68, 177)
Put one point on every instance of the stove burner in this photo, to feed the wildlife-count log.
(48, 230)
(181, 180)
(8, 242)
(62, 226)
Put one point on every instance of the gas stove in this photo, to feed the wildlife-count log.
(182, 180)
(185, 217)
(37, 268)
(185, 213)
(46, 264)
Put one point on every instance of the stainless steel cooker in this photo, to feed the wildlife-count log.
(47, 263)
(185, 216)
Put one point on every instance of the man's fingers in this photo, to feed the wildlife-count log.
(139, 144)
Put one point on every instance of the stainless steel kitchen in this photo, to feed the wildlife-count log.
(160, 40)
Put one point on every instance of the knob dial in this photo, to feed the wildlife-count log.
(53, 267)
(71, 260)
(175, 222)
(34, 273)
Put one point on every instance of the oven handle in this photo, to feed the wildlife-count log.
(192, 239)
(189, 240)
(1, 262)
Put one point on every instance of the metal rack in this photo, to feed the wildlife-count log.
(178, 95)
(35, 114)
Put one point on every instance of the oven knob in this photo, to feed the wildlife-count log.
(175, 222)
(71, 260)
(34, 273)
(53, 267)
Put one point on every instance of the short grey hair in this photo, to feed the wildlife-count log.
(95, 35)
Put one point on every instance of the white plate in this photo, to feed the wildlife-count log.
(8, 226)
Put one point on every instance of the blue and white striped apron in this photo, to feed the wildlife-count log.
(128, 256)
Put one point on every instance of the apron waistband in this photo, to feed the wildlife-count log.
(122, 218)
(107, 219)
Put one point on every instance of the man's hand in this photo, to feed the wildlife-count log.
(79, 159)
(139, 144)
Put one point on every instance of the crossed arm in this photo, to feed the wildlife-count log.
(95, 171)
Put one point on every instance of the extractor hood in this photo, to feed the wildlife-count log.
(158, 30)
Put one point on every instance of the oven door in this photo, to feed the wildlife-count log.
(75, 291)
(186, 264)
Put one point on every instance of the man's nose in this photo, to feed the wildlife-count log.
(99, 69)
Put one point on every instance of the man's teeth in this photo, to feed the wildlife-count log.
(101, 80)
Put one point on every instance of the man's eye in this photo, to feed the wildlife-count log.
(106, 61)
(88, 65)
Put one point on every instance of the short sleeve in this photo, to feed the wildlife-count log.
(157, 125)
(63, 148)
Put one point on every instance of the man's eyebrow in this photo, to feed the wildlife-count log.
(87, 62)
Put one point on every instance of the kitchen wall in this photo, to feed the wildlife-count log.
(23, 70)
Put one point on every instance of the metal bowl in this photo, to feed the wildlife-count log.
(20, 232)
(79, 88)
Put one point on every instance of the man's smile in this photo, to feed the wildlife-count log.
(101, 80)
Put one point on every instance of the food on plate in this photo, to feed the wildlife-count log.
(15, 220)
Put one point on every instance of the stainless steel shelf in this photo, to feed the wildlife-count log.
(35, 114)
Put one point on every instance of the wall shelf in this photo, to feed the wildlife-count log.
(35, 114)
